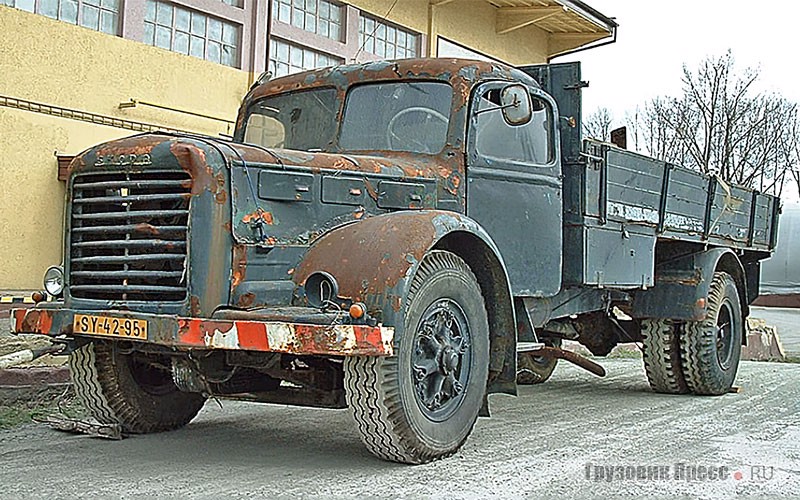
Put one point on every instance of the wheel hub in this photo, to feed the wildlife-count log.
(441, 359)
(724, 340)
(449, 360)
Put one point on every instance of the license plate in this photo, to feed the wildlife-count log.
(125, 328)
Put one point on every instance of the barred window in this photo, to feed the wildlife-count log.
(192, 33)
(386, 40)
(99, 15)
(287, 58)
(317, 16)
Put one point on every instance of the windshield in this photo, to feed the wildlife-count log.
(400, 116)
(397, 116)
(301, 120)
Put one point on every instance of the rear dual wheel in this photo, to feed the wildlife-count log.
(422, 403)
(697, 356)
(710, 349)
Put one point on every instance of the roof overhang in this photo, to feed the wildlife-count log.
(571, 25)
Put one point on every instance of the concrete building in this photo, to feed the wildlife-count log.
(74, 73)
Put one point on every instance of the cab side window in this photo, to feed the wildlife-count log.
(530, 143)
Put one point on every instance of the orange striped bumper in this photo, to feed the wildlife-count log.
(194, 333)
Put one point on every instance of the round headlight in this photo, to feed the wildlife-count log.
(54, 280)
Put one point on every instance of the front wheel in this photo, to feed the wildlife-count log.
(130, 389)
(422, 403)
(710, 349)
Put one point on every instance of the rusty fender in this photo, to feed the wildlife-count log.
(374, 261)
(682, 286)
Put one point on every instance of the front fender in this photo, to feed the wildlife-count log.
(374, 261)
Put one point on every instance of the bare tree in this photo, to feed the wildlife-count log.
(791, 150)
(721, 125)
(598, 125)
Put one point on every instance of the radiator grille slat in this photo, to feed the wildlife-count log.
(129, 236)
(151, 244)
(131, 215)
(133, 198)
(127, 228)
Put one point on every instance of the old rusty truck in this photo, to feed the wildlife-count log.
(397, 238)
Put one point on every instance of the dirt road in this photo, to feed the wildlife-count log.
(564, 438)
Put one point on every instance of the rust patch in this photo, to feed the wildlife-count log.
(238, 265)
(146, 228)
(194, 306)
(258, 215)
(396, 303)
(245, 301)
(193, 161)
(688, 278)
(34, 321)
(137, 145)
(371, 191)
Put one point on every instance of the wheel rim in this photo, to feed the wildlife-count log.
(441, 360)
(724, 337)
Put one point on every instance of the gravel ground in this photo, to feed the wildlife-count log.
(542, 443)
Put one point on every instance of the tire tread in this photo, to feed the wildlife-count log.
(372, 388)
(662, 356)
(698, 344)
(96, 378)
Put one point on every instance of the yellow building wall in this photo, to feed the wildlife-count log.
(55, 63)
(468, 22)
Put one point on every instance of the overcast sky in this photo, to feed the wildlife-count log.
(656, 38)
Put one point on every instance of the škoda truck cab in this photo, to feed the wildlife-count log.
(399, 238)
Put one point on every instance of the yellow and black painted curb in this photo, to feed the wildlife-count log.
(12, 299)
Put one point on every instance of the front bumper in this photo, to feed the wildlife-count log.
(262, 335)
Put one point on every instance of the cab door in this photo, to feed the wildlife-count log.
(514, 187)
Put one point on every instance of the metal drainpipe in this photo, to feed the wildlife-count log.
(581, 49)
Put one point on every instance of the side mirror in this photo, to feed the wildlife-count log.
(516, 104)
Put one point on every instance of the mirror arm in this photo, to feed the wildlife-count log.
(481, 111)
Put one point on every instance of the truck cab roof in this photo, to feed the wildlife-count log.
(462, 74)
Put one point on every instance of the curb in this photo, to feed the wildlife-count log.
(36, 376)
(16, 299)
(8, 302)
(29, 385)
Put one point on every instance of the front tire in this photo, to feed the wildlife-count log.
(124, 389)
(710, 349)
(422, 403)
